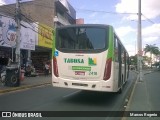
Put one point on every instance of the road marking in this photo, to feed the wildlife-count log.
(71, 94)
(20, 88)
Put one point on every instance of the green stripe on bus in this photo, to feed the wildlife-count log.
(110, 48)
(83, 68)
(54, 38)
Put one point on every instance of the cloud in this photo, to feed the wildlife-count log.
(150, 8)
(127, 36)
(2, 2)
(93, 14)
(123, 31)
(150, 39)
(131, 49)
(151, 31)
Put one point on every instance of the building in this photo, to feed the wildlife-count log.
(80, 21)
(43, 12)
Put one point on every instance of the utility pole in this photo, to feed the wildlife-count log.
(18, 19)
(139, 44)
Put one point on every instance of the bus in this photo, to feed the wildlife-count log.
(89, 57)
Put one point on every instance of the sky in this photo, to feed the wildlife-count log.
(111, 12)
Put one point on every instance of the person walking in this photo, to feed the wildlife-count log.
(46, 69)
(28, 70)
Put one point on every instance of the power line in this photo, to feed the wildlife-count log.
(6, 16)
(33, 21)
(148, 19)
(29, 20)
(7, 12)
(107, 12)
(31, 26)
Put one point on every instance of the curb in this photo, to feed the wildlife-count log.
(23, 87)
(130, 98)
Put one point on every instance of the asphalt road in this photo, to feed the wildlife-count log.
(48, 98)
(152, 86)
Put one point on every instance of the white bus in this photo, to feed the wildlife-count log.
(89, 57)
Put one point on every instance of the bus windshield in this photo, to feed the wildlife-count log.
(82, 38)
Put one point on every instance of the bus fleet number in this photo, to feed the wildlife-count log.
(92, 73)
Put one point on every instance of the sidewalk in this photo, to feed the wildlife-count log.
(145, 96)
(28, 82)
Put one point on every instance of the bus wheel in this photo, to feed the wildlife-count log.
(119, 91)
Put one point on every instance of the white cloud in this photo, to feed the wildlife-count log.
(127, 6)
(151, 31)
(150, 8)
(131, 49)
(123, 31)
(2, 2)
(125, 34)
(150, 39)
(93, 14)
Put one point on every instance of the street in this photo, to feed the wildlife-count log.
(145, 96)
(91, 45)
(48, 98)
(152, 81)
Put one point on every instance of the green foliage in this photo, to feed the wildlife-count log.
(153, 50)
(133, 60)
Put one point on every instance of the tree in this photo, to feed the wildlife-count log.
(133, 60)
(152, 49)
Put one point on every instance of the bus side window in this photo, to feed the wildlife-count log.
(116, 48)
(122, 56)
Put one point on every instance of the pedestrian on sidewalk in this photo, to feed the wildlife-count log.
(46, 69)
(28, 70)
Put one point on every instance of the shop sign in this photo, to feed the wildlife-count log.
(71, 60)
(28, 36)
(45, 36)
(7, 32)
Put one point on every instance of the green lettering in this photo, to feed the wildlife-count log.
(82, 61)
(65, 60)
(70, 60)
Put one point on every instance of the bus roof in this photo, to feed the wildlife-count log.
(88, 25)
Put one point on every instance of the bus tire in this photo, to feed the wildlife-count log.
(120, 90)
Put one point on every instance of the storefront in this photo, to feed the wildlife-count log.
(8, 39)
(35, 47)
(39, 57)
(5, 52)
(43, 49)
